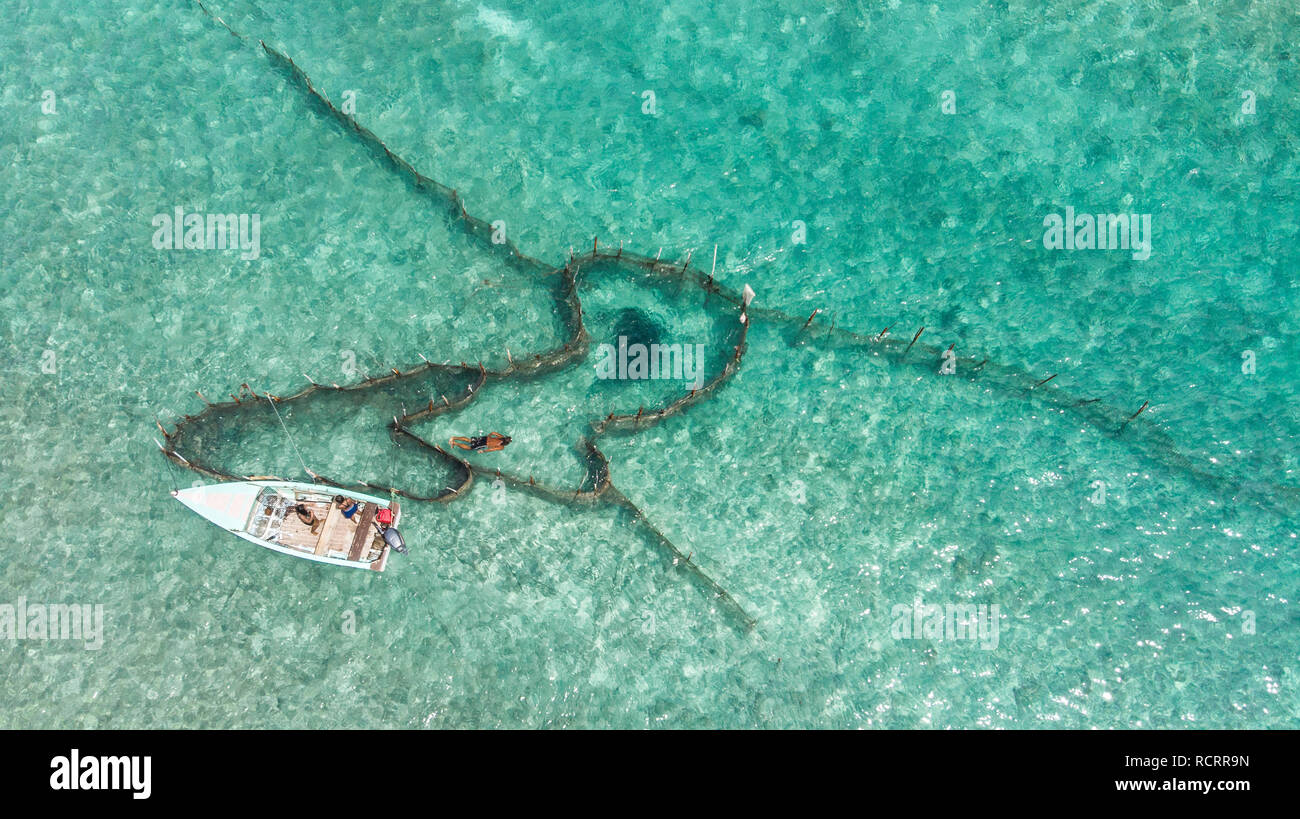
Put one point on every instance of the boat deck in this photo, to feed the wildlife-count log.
(338, 537)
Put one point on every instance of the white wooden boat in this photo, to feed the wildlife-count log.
(261, 512)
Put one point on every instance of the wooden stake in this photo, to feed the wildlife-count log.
(1134, 415)
(909, 346)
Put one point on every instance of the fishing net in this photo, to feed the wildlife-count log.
(602, 298)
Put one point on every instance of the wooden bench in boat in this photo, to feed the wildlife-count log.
(365, 532)
(331, 532)
(338, 535)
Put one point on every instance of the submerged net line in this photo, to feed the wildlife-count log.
(597, 485)
(597, 472)
(573, 349)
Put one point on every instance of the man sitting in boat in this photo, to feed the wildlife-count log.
(349, 508)
(492, 442)
(308, 517)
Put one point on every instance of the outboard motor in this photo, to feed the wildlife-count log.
(394, 539)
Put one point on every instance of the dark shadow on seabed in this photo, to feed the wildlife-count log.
(421, 470)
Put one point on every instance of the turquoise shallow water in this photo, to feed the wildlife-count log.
(821, 487)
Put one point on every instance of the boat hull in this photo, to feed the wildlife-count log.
(253, 511)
